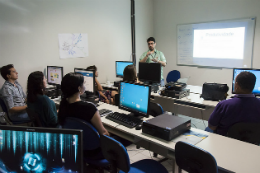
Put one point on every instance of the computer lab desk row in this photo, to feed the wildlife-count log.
(231, 154)
(192, 105)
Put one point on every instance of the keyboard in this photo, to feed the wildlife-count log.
(103, 112)
(123, 119)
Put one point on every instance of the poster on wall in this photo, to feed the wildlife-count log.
(73, 45)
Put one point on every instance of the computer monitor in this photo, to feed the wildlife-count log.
(89, 77)
(150, 72)
(54, 75)
(120, 66)
(135, 98)
(256, 72)
(30, 149)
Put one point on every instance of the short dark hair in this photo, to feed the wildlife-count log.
(151, 39)
(93, 67)
(5, 70)
(246, 81)
(35, 86)
(130, 74)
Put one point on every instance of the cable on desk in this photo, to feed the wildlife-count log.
(203, 118)
(194, 125)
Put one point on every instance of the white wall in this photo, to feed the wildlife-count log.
(144, 21)
(169, 13)
(29, 34)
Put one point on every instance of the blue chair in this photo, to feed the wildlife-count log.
(173, 76)
(117, 155)
(91, 140)
(195, 160)
(155, 109)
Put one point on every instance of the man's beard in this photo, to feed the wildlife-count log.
(151, 48)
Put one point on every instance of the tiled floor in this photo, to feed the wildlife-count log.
(140, 154)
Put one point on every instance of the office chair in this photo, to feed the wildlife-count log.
(17, 123)
(155, 109)
(91, 140)
(34, 117)
(117, 155)
(116, 99)
(193, 159)
(173, 76)
(247, 132)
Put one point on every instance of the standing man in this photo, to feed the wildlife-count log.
(154, 56)
(13, 95)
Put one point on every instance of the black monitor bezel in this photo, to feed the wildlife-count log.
(131, 110)
(146, 80)
(242, 69)
(116, 67)
(51, 130)
(93, 78)
(48, 75)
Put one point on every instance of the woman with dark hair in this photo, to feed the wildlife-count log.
(130, 74)
(38, 102)
(106, 96)
(72, 86)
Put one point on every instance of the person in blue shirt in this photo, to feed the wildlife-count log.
(38, 102)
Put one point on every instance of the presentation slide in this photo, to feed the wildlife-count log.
(225, 43)
(221, 44)
(88, 79)
(54, 75)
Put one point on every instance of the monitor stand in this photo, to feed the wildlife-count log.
(53, 92)
(90, 97)
(154, 86)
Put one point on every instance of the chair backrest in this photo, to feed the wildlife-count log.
(34, 117)
(115, 153)
(173, 76)
(116, 99)
(247, 132)
(91, 138)
(4, 108)
(155, 109)
(193, 159)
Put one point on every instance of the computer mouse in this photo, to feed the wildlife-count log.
(138, 127)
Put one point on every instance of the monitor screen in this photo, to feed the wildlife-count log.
(256, 72)
(150, 72)
(54, 75)
(26, 149)
(120, 66)
(89, 79)
(134, 98)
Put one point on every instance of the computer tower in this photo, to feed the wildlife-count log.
(166, 126)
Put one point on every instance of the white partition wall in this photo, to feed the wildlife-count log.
(29, 34)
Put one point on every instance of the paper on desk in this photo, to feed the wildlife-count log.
(191, 137)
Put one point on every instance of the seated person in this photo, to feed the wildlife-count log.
(13, 95)
(243, 107)
(72, 86)
(130, 74)
(40, 103)
(105, 96)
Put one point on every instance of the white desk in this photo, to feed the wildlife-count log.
(230, 154)
(192, 106)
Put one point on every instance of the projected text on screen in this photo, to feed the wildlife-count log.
(222, 43)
